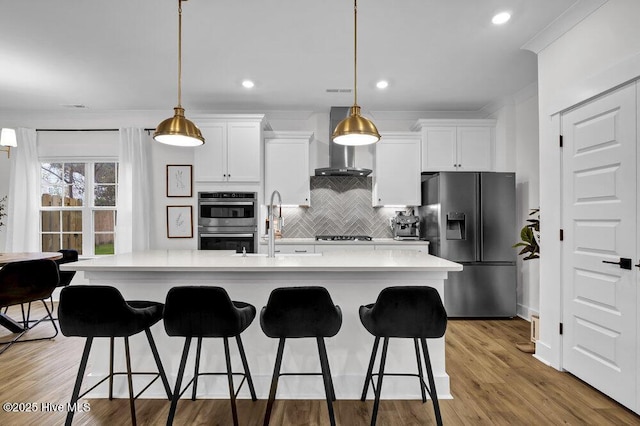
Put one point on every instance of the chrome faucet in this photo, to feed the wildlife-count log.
(272, 227)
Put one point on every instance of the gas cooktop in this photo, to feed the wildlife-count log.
(343, 238)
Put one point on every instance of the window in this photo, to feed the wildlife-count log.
(78, 206)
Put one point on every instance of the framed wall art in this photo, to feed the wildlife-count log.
(179, 221)
(179, 180)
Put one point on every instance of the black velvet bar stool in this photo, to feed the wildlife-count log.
(297, 312)
(414, 312)
(201, 312)
(100, 311)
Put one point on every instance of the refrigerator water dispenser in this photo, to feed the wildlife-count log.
(455, 226)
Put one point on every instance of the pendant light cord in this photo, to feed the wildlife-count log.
(180, 53)
(355, 52)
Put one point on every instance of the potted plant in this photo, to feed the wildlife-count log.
(530, 236)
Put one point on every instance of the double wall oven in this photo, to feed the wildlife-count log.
(228, 221)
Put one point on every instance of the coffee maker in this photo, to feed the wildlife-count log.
(405, 226)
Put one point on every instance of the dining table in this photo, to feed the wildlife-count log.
(5, 320)
(30, 255)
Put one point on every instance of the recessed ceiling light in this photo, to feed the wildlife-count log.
(382, 84)
(501, 18)
(248, 84)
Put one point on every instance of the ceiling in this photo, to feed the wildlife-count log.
(438, 55)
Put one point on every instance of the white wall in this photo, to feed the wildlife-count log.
(161, 155)
(5, 163)
(527, 197)
(517, 151)
(599, 53)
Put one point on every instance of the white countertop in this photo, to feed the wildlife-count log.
(225, 261)
(376, 241)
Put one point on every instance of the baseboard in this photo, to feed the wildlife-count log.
(525, 312)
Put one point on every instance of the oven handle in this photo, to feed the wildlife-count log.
(227, 235)
(226, 203)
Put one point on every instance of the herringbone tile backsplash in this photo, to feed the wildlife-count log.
(339, 206)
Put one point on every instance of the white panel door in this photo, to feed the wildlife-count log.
(637, 259)
(599, 221)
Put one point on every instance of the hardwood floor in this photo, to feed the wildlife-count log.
(492, 383)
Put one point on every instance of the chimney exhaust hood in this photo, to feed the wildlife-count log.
(341, 157)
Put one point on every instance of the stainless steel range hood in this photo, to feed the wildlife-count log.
(341, 157)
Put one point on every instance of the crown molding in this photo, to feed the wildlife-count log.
(563, 23)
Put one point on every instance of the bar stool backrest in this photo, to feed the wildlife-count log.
(27, 281)
(98, 311)
(204, 311)
(300, 312)
(409, 311)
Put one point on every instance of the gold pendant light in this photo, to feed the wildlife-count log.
(355, 129)
(177, 130)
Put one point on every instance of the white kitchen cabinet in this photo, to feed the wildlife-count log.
(396, 179)
(400, 246)
(287, 248)
(232, 151)
(457, 145)
(324, 248)
(286, 165)
(294, 248)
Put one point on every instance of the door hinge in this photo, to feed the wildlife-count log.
(562, 235)
(561, 142)
(560, 328)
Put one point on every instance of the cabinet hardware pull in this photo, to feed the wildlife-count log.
(637, 266)
(624, 262)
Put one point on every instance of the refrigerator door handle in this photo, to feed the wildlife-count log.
(480, 219)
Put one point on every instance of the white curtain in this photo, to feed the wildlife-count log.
(133, 231)
(23, 204)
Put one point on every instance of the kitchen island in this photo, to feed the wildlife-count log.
(353, 278)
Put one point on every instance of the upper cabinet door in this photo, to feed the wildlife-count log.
(210, 159)
(439, 149)
(475, 149)
(396, 178)
(286, 161)
(243, 152)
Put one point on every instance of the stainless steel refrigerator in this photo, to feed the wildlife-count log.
(469, 218)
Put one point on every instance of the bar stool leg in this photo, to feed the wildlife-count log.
(232, 394)
(274, 381)
(196, 369)
(333, 392)
(132, 403)
(176, 389)
(156, 356)
(432, 384)
(76, 387)
(326, 376)
(111, 368)
(247, 373)
(420, 376)
(367, 379)
(378, 390)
